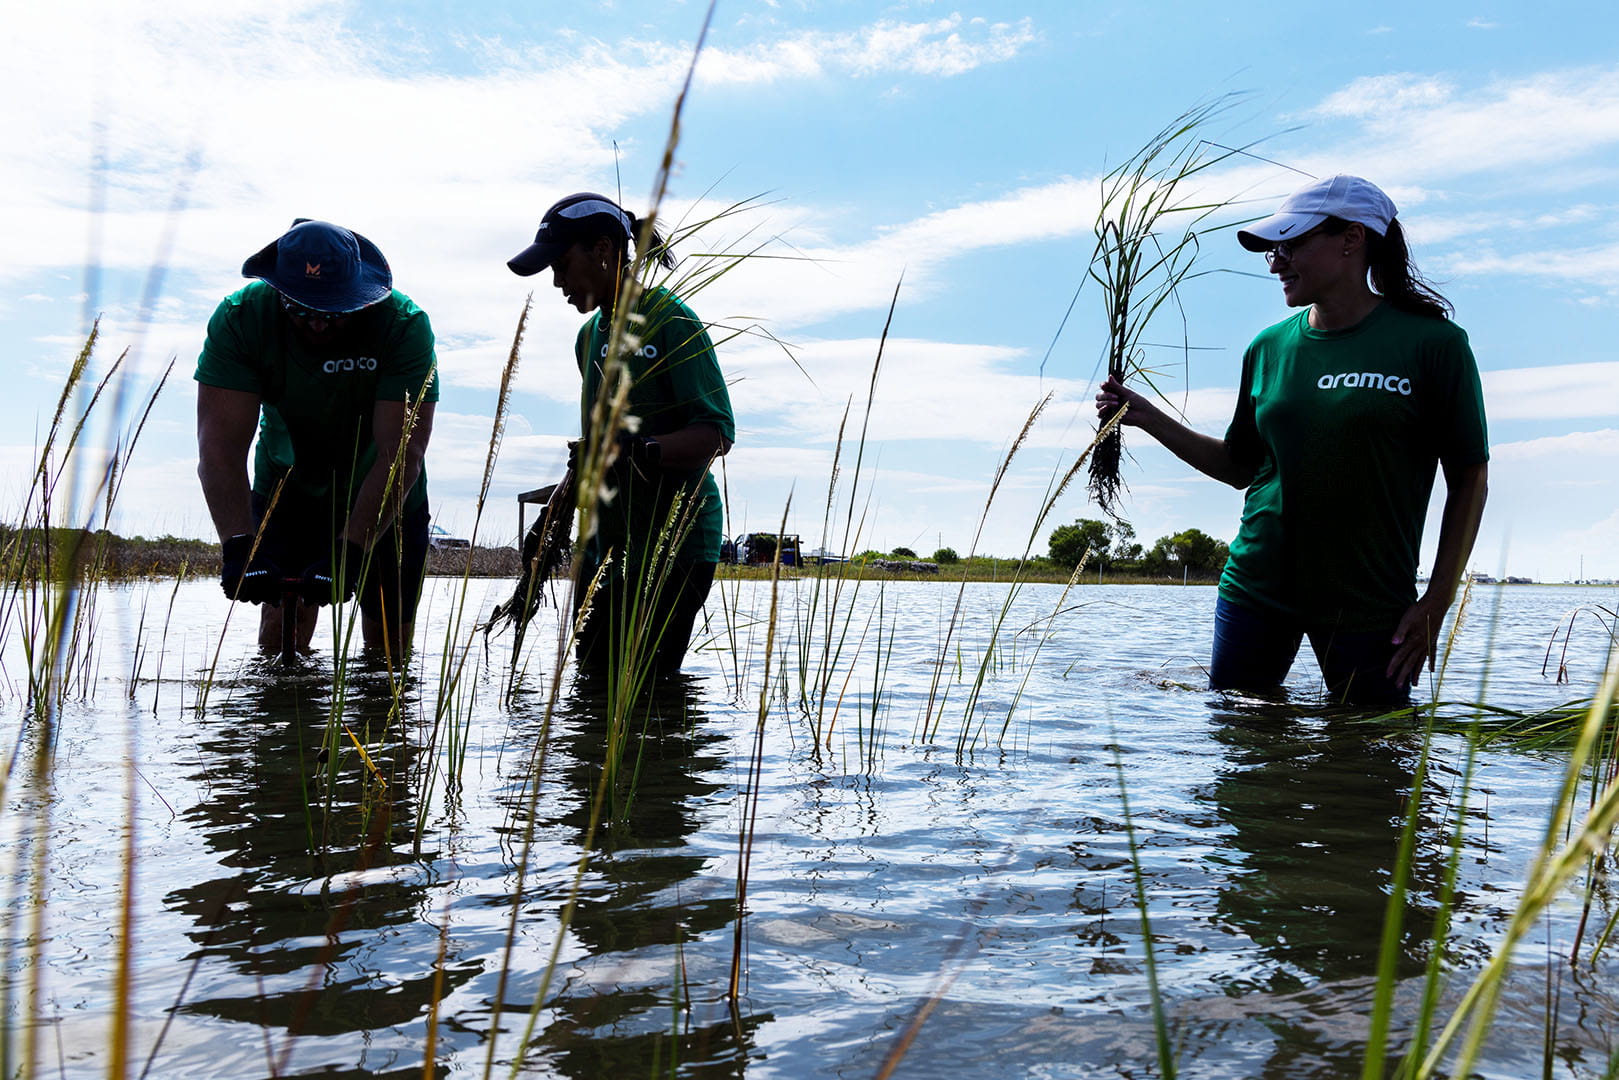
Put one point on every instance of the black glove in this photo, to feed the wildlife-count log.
(328, 579)
(573, 455)
(255, 581)
(640, 453)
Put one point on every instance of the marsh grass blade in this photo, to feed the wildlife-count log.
(1148, 233)
(751, 791)
(1557, 862)
(1138, 877)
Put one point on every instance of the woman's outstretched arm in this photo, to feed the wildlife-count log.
(1204, 453)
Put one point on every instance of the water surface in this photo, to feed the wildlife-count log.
(931, 837)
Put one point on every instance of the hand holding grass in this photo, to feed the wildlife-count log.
(1114, 395)
(1204, 453)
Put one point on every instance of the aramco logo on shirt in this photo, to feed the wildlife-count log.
(645, 352)
(1365, 380)
(348, 364)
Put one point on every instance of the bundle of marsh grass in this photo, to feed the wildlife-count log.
(545, 551)
(1148, 230)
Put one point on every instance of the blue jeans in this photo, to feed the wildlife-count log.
(1253, 650)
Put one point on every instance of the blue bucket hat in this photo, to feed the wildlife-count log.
(323, 267)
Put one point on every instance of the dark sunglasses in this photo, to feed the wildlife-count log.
(304, 314)
(1283, 252)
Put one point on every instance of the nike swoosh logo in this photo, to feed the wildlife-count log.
(1284, 230)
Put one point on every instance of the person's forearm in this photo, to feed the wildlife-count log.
(226, 421)
(377, 504)
(1466, 489)
(1204, 453)
(225, 487)
(401, 432)
(692, 447)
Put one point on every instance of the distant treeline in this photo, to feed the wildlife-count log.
(1113, 548)
(38, 553)
(51, 553)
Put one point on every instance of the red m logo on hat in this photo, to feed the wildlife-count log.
(311, 269)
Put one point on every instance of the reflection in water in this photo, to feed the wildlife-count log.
(278, 898)
(1315, 812)
(632, 1002)
(324, 912)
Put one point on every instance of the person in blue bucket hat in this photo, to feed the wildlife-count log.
(334, 370)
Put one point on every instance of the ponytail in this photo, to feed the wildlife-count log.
(657, 248)
(1393, 275)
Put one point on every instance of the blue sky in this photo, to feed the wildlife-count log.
(953, 144)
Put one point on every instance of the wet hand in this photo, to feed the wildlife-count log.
(1416, 638)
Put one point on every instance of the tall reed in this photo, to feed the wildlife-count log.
(829, 614)
(53, 561)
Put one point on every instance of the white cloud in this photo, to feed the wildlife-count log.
(1576, 445)
(1437, 228)
(1385, 96)
(919, 393)
(1598, 543)
(1553, 392)
(941, 47)
(1423, 128)
(1591, 266)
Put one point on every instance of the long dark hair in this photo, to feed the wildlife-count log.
(1394, 276)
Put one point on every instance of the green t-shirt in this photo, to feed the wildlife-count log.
(1345, 429)
(318, 401)
(675, 382)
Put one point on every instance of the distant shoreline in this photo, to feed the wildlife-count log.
(136, 558)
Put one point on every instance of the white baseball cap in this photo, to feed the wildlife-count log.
(1347, 197)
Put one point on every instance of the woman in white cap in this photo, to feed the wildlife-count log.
(1344, 411)
(643, 613)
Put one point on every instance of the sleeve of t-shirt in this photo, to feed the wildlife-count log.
(696, 383)
(1242, 434)
(1461, 431)
(412, 370)
(226, 362)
